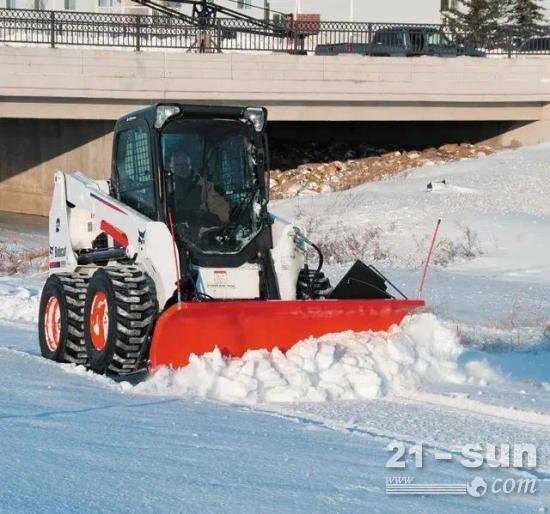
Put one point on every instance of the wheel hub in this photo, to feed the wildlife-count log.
(99, 321)
(52, 323)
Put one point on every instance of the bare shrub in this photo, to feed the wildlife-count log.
(346, 245)
(14, 259)
(447, 250)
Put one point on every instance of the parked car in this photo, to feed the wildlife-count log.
(402, 42)
(410, 41)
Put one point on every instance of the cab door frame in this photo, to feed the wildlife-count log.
(133, 123)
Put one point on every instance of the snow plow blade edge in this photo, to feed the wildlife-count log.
(235, 327)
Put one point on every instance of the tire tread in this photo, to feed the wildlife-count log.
(74, 286)
(137, 309)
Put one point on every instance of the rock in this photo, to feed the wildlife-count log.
(370, 160)
(331, 168)
(449, 148)
(311, 178)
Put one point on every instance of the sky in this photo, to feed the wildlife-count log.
(398, 11)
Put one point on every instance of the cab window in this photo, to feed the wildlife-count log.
(417, 41)
(135, 175)
(392, 39)
(438, 39)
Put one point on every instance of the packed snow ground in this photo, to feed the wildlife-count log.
(308, 430)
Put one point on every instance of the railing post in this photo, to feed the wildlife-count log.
(369, 37)
(138, 33)
(52, 29)
(219, 40)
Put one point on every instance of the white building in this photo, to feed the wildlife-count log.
(66, 5)
(384, 11)
(401, 11)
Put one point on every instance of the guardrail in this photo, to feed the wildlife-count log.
(69, 28)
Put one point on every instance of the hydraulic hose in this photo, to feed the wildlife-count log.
(321, 257)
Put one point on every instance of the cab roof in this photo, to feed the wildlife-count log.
(193, 111)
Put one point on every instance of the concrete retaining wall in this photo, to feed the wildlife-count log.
(31, 151)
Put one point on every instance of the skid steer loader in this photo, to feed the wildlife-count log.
(177, 254)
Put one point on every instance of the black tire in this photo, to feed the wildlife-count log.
(119, 344)
(61, 317)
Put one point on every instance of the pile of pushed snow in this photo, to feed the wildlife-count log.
(18, 303)
(334, 367)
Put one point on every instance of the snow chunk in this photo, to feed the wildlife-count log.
(480, 372)
(18, 303)
(334, 367)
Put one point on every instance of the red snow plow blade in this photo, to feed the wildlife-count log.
(236, 327)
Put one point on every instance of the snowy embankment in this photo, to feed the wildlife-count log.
(494, 210)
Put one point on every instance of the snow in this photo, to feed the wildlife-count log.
(308, 430)
(335, 367)
(18, 303)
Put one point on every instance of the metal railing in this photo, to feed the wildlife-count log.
(69, 28)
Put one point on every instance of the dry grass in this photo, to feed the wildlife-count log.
(350, 245)
(467, 247)
(343, 244)
(446, 251)
(15, 260)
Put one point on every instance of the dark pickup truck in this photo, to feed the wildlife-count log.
(402, 42)
(536, 45)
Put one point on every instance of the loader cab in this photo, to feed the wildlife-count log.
(202, 170)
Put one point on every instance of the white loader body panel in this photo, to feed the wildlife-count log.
(82, 209)
(241, 283)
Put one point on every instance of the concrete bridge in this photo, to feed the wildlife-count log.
(57, 106)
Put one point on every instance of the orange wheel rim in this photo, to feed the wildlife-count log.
(99, 321)
(52, 323)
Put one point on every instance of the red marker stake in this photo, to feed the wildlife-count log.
(429, 257)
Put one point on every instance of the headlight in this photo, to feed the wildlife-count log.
(256, 116)
(164, 112)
